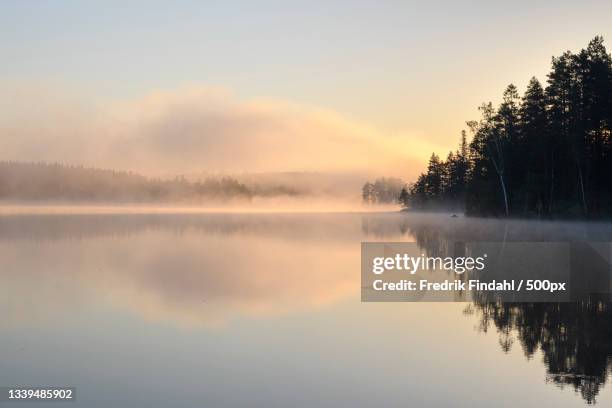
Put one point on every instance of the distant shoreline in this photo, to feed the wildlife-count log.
(93, 209)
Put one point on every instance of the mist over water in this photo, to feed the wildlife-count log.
(114, 303)
(316, 204)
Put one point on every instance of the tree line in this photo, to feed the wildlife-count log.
(384, 190)
(547, 153)
(21, 181)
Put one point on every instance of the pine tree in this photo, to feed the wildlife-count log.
(536, 148)
(367, 193)
(548, 153)
(404, 198)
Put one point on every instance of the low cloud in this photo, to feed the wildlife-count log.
(199, 129)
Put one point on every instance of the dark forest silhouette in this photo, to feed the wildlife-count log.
(545, 154)
(38, 182)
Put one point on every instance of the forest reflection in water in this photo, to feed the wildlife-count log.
(575, 338)
(207, 269)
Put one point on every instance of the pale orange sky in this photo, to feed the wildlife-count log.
(267, 86)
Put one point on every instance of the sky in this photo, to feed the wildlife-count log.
(267, 85)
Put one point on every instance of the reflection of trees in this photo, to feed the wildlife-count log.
(424, 227)
(42, 227)
(574, 338)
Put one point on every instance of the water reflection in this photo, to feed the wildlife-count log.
(191, 269)
(575, 338)
(263, 278)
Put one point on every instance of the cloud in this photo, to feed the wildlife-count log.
(201, 129)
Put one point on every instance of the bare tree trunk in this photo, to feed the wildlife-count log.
(584, 204)
(503, 248)
(499, 169)
(552, 185)
(503, 185)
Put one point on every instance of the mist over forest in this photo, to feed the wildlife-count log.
(38, 182)
(25, 182)
(547, 153)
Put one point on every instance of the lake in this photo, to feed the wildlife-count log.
(226, 310)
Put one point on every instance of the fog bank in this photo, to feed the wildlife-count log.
(198, 129)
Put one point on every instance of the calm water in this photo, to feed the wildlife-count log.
(264, 310)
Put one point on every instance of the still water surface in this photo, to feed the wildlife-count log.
(226, 310)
